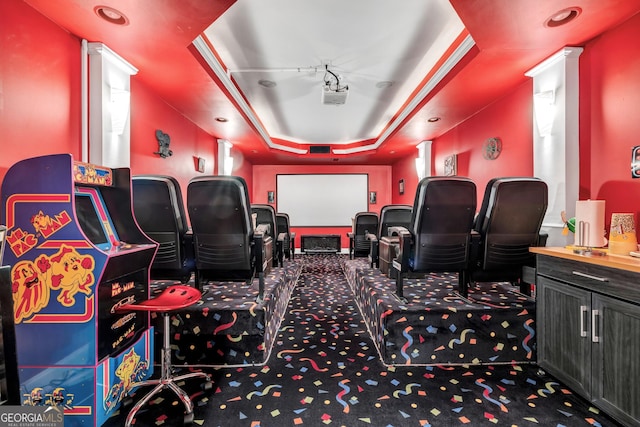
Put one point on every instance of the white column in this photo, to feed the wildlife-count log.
(556, 136)
(225, 160)
(423, 161)
(109, 108)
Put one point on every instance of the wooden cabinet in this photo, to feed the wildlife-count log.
(588, 318)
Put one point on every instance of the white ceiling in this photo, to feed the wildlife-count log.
(363, 42)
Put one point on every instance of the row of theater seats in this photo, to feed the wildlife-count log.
(229, 239)
(442, 233)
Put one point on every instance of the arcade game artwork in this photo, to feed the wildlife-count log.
(76, 254)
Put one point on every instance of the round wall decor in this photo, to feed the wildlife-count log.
(492, 148)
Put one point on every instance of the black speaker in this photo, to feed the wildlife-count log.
(319, 149)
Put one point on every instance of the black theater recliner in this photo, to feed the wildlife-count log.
(438, 238)
(226, 246)
(507, 225)
(363, 224)
(159, 210)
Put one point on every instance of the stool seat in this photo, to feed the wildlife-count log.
(172, 298)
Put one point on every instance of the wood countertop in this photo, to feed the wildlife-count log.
(623, 262)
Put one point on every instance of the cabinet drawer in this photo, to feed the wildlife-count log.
(614, 282)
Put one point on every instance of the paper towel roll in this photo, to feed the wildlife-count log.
(590, 223)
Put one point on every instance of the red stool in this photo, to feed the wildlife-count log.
(172, 298)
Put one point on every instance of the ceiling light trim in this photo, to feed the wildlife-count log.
(446, 67)
(203, 48)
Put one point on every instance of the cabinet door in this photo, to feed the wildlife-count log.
(564, 333)
(616, 371)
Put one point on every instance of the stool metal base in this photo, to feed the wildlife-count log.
(166, 380)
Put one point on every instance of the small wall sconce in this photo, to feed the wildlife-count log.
(120, 102)
(200, 164)
(401, 186)
(420, 168)
(271, 197)
(635, 162)
(423, 161)
(545, 111)
(225, 160)
(373, 197)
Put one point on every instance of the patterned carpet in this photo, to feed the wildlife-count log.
(324, 370)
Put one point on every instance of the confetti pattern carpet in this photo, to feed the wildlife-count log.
(324, 370)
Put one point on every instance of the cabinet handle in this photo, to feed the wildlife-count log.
(589, 276)
(594, 326)
(583, 316)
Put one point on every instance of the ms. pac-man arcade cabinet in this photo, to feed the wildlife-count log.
(76, 254)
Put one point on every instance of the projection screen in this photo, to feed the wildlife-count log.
(322, 200)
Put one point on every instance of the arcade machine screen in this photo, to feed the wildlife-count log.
(89, 221)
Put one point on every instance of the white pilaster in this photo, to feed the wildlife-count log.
(109, 108)
(556, 136)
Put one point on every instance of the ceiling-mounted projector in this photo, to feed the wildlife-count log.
(334, 97)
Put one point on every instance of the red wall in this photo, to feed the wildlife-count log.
(188, 141)
(509, 119)
(264, 180)
(39, 86)
(148, 113)
(405, 170)
(610, 117)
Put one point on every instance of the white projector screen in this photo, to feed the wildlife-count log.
(322, 200)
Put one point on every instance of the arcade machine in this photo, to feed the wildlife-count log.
(76, 254)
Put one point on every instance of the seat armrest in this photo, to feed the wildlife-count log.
(396, 230)
(263, 228)
(259, 241)
(351, 236)
(371, 236)
(542, 239)
(474, 247)
(374, 251)
(405, 243)
(187, 244)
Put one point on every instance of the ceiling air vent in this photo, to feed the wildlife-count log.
(319, 149)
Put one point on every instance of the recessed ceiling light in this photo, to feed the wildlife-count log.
(111, 15)
(267, 83)
(562, 17)
(222, 119)
(433, 119)
(384, 84)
